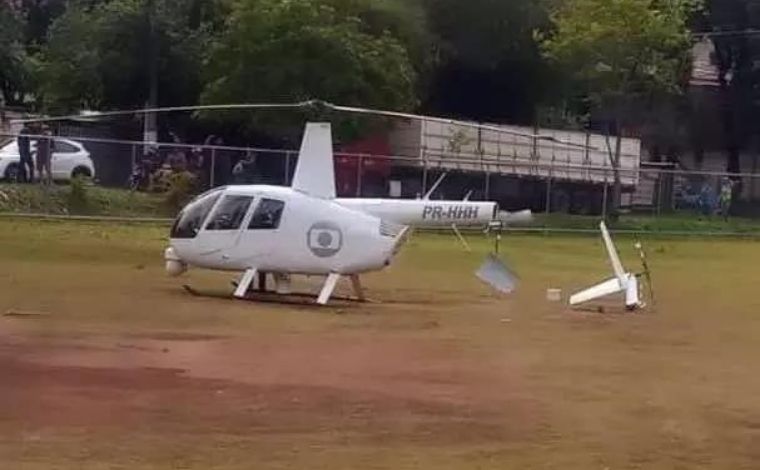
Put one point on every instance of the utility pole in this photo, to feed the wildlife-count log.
(150, 121)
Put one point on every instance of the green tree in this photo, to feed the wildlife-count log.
(301, 49)
(37, 17)
(488, 64)
(623, 53)
(98, 54)
(737, 56)
(405, 20)
(12, 57)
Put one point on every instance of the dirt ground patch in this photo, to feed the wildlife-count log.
(126, 370)
(336, 390)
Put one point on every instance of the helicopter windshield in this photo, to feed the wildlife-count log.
(190, 219)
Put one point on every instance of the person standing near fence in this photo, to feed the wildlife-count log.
(726, 195)
(44, 156)
(244, 170)
(219, 160)
(26, 168)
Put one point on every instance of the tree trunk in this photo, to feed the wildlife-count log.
(150, 130)
(617, 187)
(6, 92)
(613, 206)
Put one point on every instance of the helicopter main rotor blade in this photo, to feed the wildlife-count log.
(171, 109)
(301, 105)
(455, 122)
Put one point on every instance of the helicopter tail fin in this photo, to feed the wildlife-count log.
(315, 171)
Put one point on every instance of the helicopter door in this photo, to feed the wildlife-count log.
(262, 232)
(223, 229)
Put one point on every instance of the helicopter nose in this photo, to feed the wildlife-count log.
(174, 264)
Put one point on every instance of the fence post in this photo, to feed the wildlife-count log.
(604, 197)
(212, 176)
(549, 192)
(359, 169)
(487, 189)
(130, 177)
(659, 193)
(287, 168)
(424, 176)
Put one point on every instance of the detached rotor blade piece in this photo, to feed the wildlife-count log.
(650, 287)
(461, 238)
(498, 275)
(647, 272)
(603, 289)
(401, 238)
(617, 266)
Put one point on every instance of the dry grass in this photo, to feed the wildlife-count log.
(128, 371)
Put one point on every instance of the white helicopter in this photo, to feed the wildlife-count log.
(304, 229)
(622, 282)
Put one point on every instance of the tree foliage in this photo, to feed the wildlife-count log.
(37, 16)
(12, 56)
(623, 48)
(274, 51)
(489, 65)
(477, 59)
(474, 59)
(98, 54)
(622, 52)
(302, 49)
(738, 61)
(405, 20)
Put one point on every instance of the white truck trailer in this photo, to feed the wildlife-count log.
(519, 169)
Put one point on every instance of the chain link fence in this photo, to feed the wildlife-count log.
(135, 179)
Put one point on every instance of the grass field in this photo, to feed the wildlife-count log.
(97, 201)
(94, 200)
(123, 369)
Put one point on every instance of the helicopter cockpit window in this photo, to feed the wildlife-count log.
(267, 215)
(190, 220)
(230, 213)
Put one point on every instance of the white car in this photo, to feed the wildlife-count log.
(70, 160)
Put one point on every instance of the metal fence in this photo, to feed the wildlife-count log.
(570, 192)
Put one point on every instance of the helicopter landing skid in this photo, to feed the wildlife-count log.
(293, 298)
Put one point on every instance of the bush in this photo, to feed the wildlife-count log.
(180, 188)
(77, 199)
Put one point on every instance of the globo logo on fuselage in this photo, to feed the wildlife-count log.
(324, 239)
